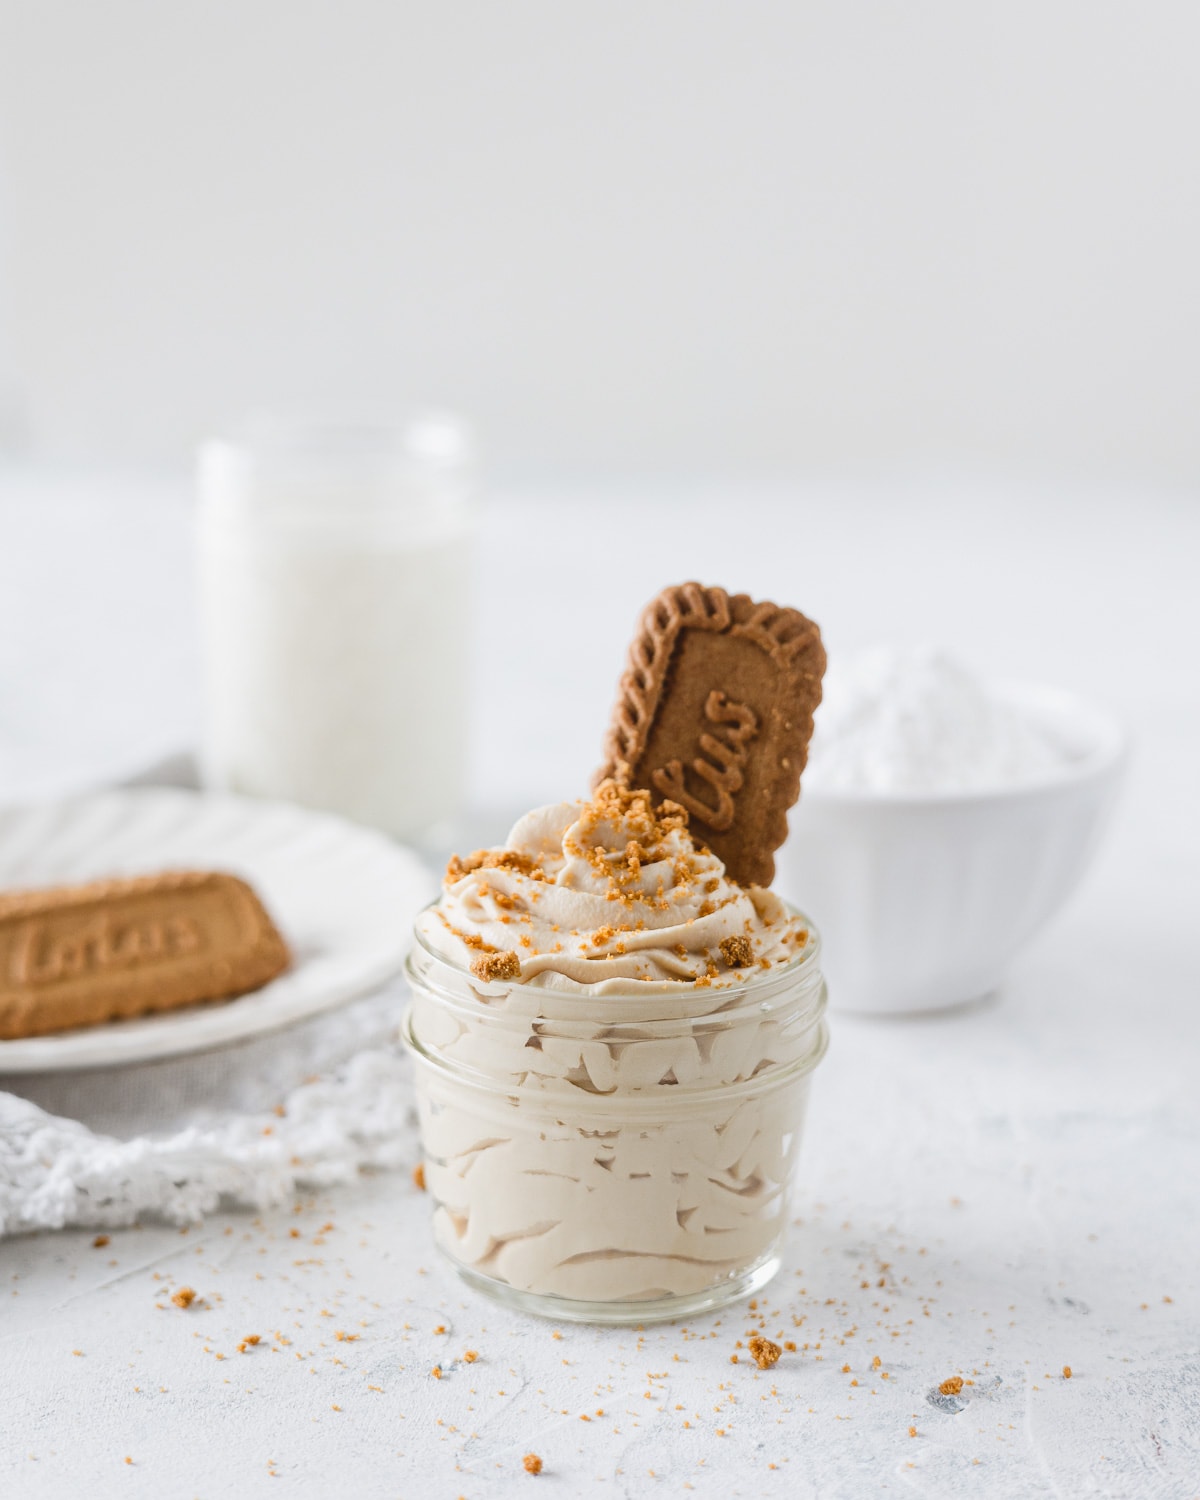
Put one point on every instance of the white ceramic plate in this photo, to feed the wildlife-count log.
(342, 896)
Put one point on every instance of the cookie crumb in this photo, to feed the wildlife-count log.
(490, 966)
(471, 1356)
(184, 1297)
(99, 1242)
(912, 1432)
(737, 952)
(249, 1342)
(1066, 1372)
(764, 1351)
(533, 1464)
(418, 1176)
(951, 1385)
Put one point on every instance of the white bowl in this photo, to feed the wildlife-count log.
(923, 900)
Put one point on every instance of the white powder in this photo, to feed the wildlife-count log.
(897, 719)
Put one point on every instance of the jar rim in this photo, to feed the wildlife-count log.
(758, 996)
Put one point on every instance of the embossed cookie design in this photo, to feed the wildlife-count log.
(81, 955)
(715, 712)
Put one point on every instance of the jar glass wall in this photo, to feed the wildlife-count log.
(613, 1158)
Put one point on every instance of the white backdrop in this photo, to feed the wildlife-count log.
(653, 235)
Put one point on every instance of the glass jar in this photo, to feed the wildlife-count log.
(617, 1158)
(334, 597)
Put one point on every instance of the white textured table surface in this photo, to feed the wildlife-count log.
(997, 1193)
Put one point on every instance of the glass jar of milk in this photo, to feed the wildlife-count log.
(334, 613)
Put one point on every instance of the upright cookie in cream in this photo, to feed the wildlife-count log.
(715, 711)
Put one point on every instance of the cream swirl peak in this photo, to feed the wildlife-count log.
(594, 895)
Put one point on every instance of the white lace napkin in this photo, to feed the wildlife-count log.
(247, 1124)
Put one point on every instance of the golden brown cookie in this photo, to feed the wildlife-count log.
(79, 955)
(715, 712)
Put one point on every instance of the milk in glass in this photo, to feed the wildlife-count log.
(334, 607)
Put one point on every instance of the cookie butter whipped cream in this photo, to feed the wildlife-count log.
(613, 1041)
(604, 894)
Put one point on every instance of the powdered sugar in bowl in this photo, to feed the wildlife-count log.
(944, 822)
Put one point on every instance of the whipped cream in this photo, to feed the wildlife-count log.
(896, 719)
(620, 1121)
(602, 895)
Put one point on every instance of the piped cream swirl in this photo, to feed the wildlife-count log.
(598, 895)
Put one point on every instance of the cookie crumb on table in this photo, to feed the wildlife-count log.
(764, 1351)
(951, 1385)
(184, 1297)
(1066, 1372)
(489, 966)
(418, 1176)
(533, 1464)
(99, 1242)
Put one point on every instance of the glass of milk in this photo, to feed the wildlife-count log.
(334, 600)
